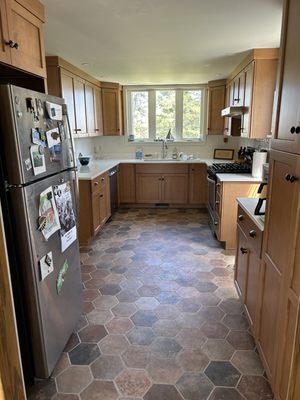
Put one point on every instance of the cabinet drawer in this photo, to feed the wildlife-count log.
(99, 183)
(162, 169)
(251, 230)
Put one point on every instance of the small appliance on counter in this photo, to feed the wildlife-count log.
(84, 160)
(262, 191)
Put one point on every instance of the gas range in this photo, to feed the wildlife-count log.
(228, 168)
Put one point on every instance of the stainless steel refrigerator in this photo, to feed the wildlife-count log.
(40, 184)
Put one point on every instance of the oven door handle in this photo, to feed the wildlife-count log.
(211, 180)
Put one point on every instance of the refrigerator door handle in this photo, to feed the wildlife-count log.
(76, 187)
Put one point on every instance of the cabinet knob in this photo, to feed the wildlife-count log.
(101, 195)
(102, 179)
(217, 202)
(252, 233)
(236, 100)
(96, 130)
(218, 184)
(241, 217)
(293, 129)
(298, 130)
(244, 250)
(290, 178)
(12, 44)
(216, 223)
(96, 183)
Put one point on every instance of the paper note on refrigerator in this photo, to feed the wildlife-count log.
(46, 265)
(48, 215)
(64, 203)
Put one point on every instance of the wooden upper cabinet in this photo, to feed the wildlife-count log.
(90, 108)
(112, 111)
(98, 111)
(80, 114)
(216, 102)
(287, 120)
(4, 38)
(248, 90)
(25, 28)
(67, 85)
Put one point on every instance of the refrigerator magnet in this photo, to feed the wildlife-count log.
(37, 159)
(48, 215)
(38, 137)
(61, 277)
(28, 164)
(53, 137)
(46, 265)
(54, 111)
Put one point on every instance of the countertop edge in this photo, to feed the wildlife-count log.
(244, 204)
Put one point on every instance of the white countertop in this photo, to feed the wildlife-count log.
(98, 167)
(248, 205)
(237, 178)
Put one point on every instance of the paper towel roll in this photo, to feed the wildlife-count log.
(259, 158)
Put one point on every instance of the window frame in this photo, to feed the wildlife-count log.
(179, 89)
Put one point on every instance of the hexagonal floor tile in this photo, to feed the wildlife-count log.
(225, 394)
(218, 349)
(214, 330)
(141, 335)
(168, 298)
(100, 390)
(113, 344)
(191, 338)
(194, 386)
(241, 340)
(132, 382)
(163, 392)
(124, 309)
(164, 371)
(255, 387)
(105, 302)
(236, 322)
(144, 318)
(74, 379)
(147, 303)
(166, 311)
(119, 325)
(110, 289)
(222, 373)
(247, 362)
(92, 333)
(166, 327)
(231, 306)
(136, 356)
(84, 354)
(99, 317)
(192, 360)
(107, 367)
(165, 347)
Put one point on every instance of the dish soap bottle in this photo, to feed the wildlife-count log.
(139, 154)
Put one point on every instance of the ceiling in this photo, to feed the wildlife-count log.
(159, 41)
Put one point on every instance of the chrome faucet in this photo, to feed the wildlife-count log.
(164, 149)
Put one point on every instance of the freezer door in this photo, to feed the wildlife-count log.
(30, 152)
(53, 313)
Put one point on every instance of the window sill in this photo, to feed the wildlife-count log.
(182, 141)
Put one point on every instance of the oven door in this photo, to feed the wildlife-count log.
(213, 220)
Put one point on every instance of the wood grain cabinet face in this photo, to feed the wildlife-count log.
(111, 107)
(148, 188)
(248, 90)
(5, 55)
(90, 108)
(241, 262)
(288, 116)
(98, 111)
(216, 102)
(127, 187)
(198, 184)
(26, 30)
(67, 84)
(175, 188)
(79, 99)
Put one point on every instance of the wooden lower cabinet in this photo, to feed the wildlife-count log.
(148, 188)
(126, 182)
(198, 184)
(248, 266)
(94, 206)
(175, 188)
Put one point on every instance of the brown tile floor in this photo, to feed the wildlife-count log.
(162, 320)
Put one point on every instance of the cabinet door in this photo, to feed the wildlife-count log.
(98, 111)
(216, 104)
(246, 119)
(252, 286)
(26, 30)
(148, 188)
(241, 263)
(111, 111)
(96, 211)
(279, 249)
(198, 184)
(288, 116)
(90, 108)
(126, 182)
(175, 189)
(80, 114)
(5, 51)
(67, 88)
(239, 90)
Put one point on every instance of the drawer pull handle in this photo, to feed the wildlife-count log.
(217, 202)
(218, 184)
(96, 183)
(290, 178)
(244, 250)
(252, 233)
(241, 217)
(102, 179)
(101, 195)
(12, 44)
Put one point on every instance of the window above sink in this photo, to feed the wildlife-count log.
(153, 111)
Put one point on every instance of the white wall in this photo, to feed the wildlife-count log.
(119, 147)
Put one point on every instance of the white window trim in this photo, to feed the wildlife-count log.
(179, 110)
